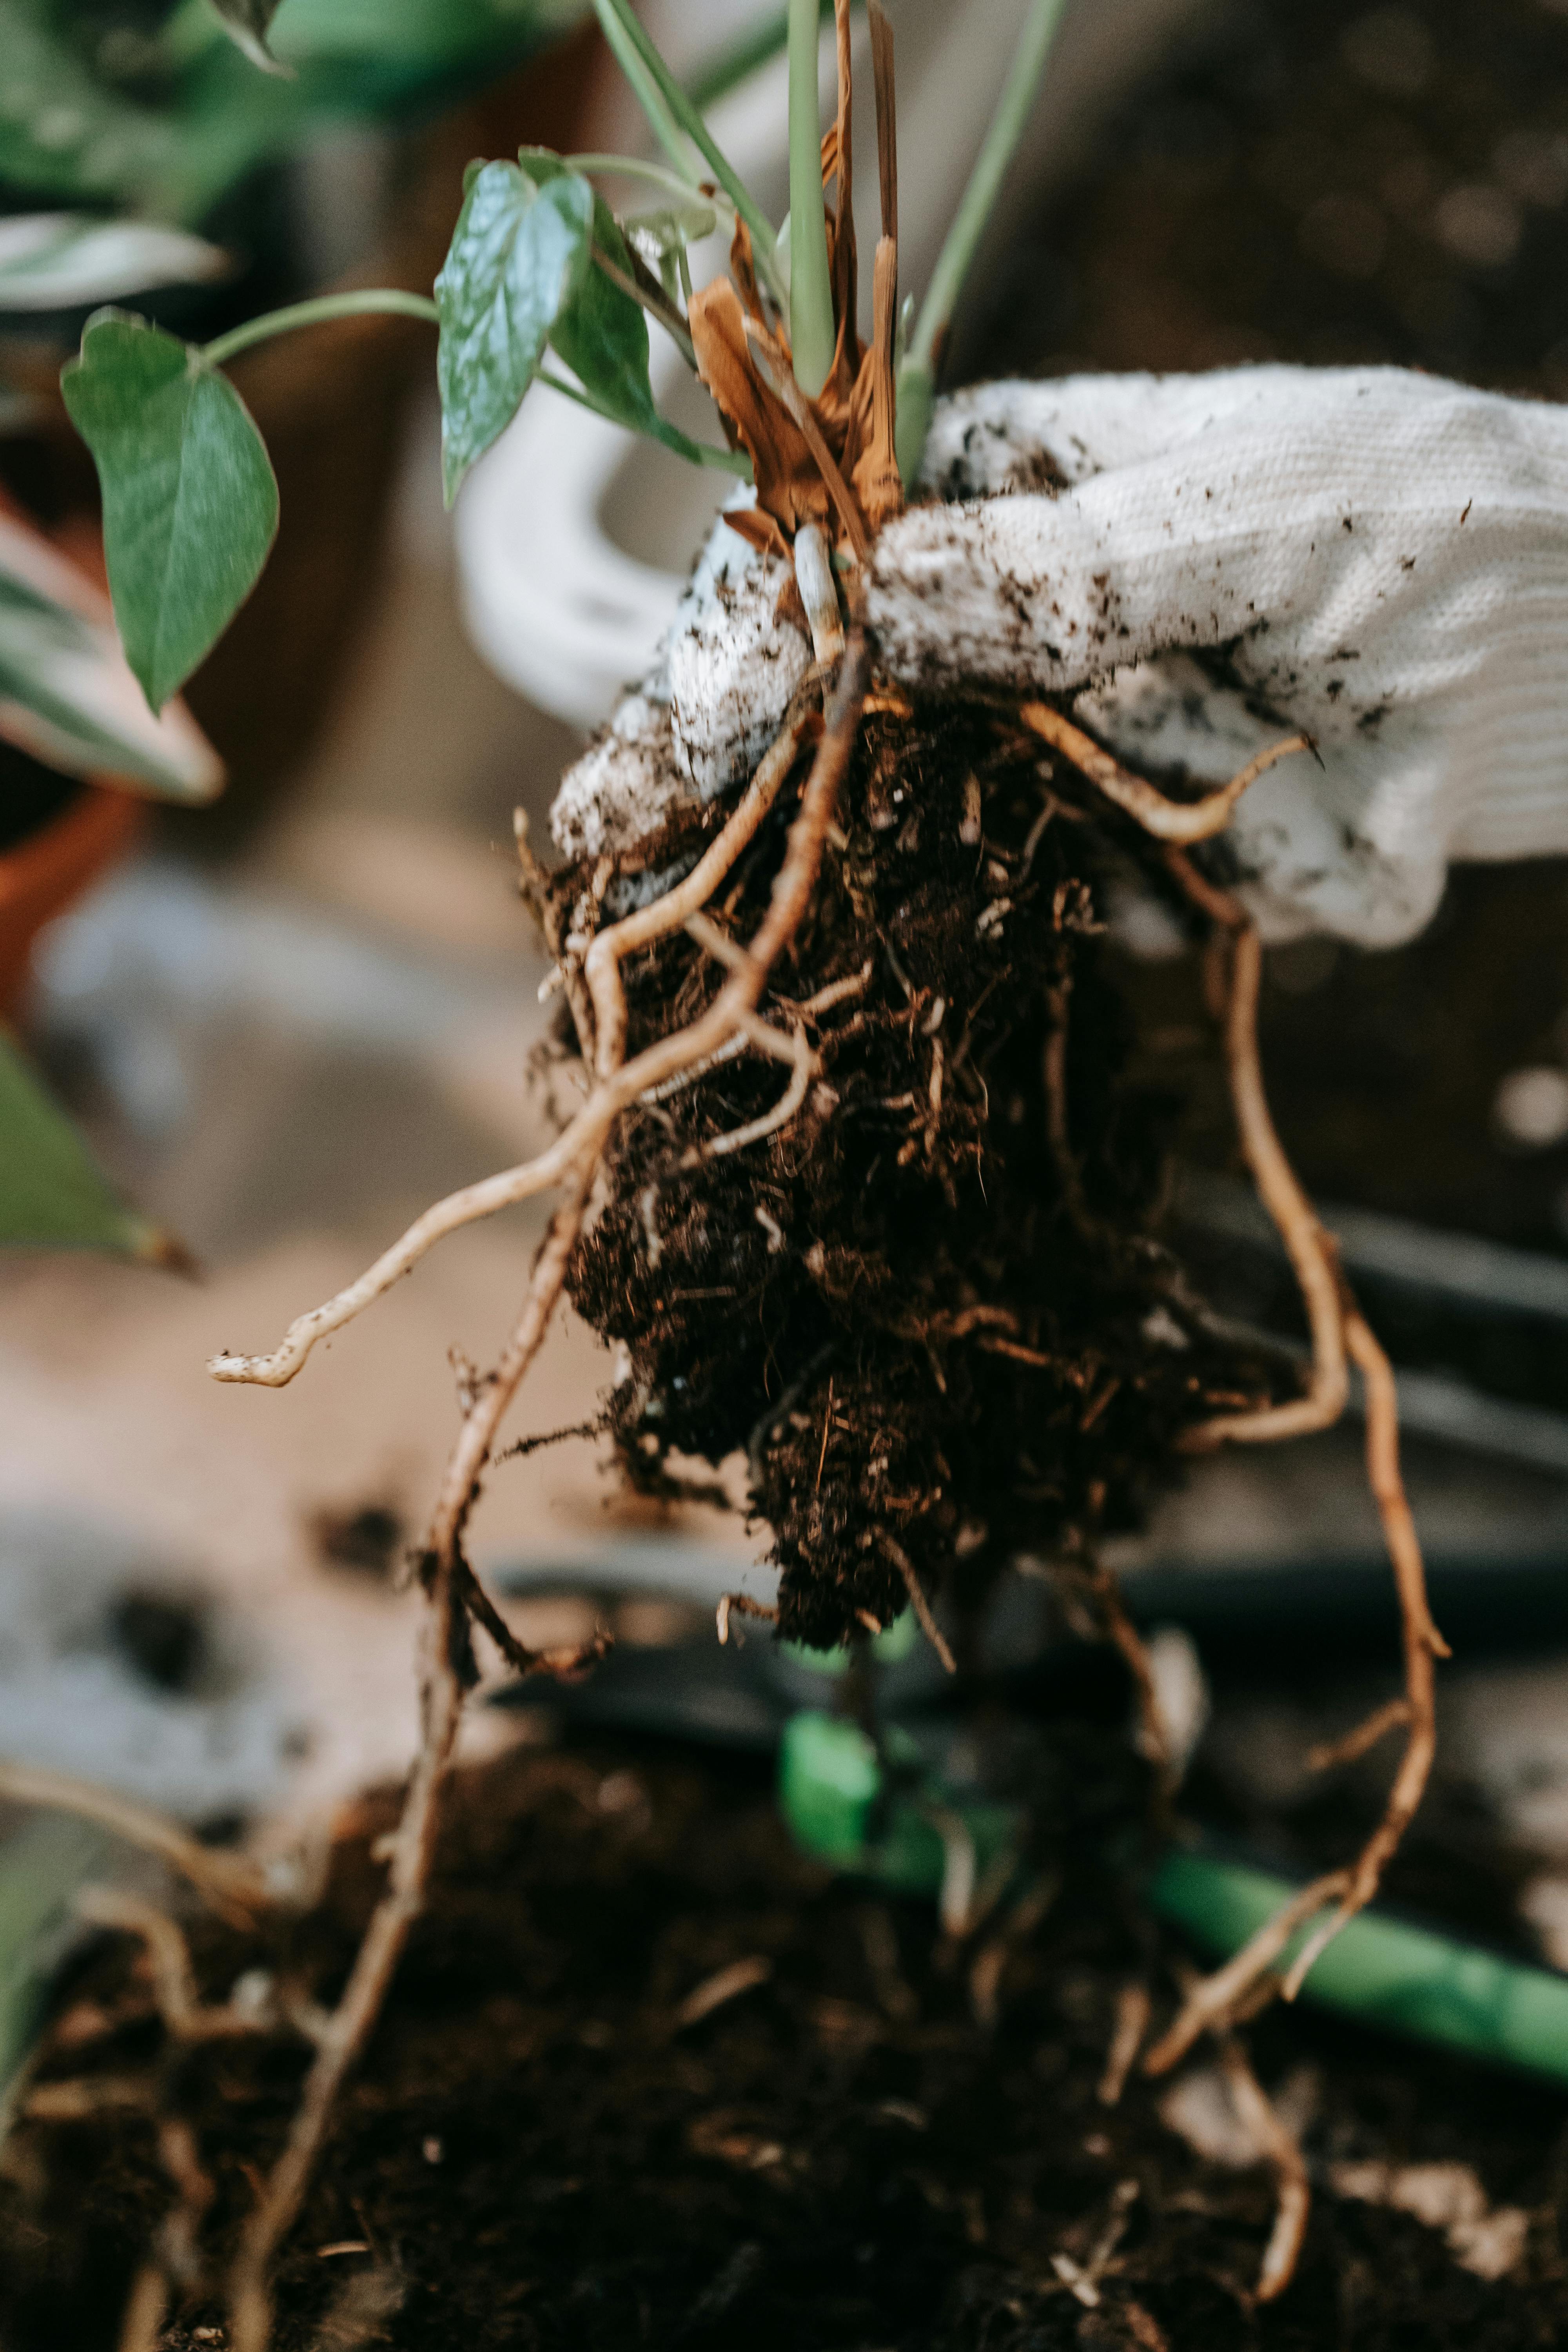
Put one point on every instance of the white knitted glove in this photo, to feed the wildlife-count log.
(1372, 556)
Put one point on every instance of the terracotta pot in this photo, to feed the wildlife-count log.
(39, 877)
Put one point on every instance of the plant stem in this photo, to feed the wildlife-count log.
(811, 328)
(384, 299)
(690, 121)
(653, 176)
(719, 73)
(724, 461)
(917, 377)
(627, 52)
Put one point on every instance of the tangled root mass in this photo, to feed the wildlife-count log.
(928, 1309)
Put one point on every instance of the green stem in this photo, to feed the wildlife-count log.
(917, 377)
(379, 299)
(811, 329)
(690, 121)
(652, 176)
(717, 75)
(724, 461)
(646, 89)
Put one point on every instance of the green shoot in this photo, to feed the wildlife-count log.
(677, 103)
(811, 328)
(917, 376)
(627, 55)
(717, 75)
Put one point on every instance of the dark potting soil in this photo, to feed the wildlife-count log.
(927, 1310)
(864, 2150)
(1325, 182)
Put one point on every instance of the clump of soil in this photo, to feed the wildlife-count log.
(540, 2157)
(927, 1309)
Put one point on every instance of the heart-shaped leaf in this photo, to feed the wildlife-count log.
(52, 1196)
(190, 504)
(602, 334)
(519, 254)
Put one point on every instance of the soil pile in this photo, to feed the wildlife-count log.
(540, 2157)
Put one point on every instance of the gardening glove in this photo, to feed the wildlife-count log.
(1373, 557)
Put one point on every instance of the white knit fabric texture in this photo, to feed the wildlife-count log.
(1374, 556)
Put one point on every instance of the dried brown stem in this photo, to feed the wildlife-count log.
(887, 117)
(774, 368)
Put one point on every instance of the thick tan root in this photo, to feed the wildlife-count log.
(1167, 819)
(1340, 1334)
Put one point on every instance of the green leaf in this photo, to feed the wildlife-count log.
(602, 334)
(519, 254)
(66, 694)
(52, 1195)
(190, 504)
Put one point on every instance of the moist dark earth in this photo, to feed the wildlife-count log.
(858, 2153)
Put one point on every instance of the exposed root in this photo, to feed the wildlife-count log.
(1132, 2009)
(185, 2017)
(1359, 1742)
(1216, 1998)
(1311, 1249)
(610, 948)
(1166, 820)
(446, 1672)
(236, 1887)
(1292, 2191)
(582, 1142)
(1421, 1641)
(739, 1604)
(918, 1600)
